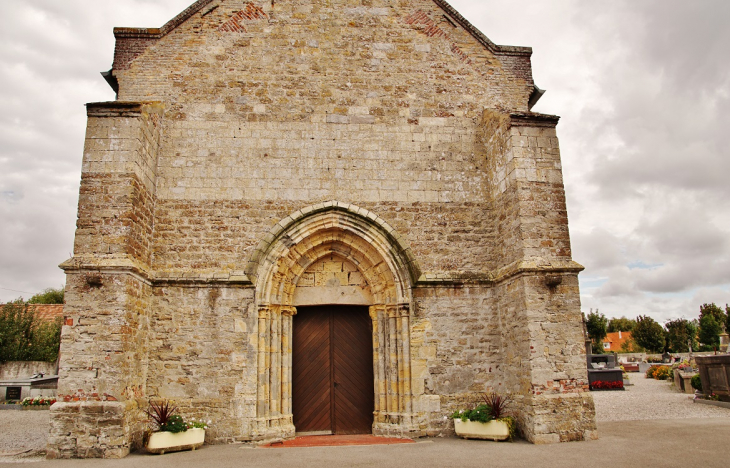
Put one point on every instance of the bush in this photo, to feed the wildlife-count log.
(663, 373)
(651, 371)
(696, 382)
(23, 337)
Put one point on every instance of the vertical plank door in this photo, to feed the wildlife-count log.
(332, 384)
(311, 371)
(354, 395)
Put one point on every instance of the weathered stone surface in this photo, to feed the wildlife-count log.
(264, 155)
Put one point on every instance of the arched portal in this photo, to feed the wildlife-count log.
(386, 263)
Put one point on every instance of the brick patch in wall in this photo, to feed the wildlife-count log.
(250, 13)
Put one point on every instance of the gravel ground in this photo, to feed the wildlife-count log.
(650, 399)
(24, 434)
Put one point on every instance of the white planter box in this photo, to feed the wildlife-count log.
(493, 430)
(161, 442)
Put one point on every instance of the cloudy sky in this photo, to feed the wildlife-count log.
(643, 88)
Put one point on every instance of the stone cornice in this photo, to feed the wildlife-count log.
(121, 108)
(533, 119)
(116, 264)
(442, 279)
(507, 272)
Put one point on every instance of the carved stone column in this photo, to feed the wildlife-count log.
(273, 410)
(377, 312)
(262, 386)
(392, 369)
(287, 330)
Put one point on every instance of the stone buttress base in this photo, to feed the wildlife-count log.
(93, 429)
(548, 419)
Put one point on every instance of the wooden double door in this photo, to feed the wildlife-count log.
(332, 370)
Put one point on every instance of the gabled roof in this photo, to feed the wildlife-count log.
(156, 33)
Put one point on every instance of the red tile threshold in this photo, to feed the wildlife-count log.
(337, 441)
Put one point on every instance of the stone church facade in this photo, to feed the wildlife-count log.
(265, 159)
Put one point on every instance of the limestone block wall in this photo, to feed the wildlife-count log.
(456, 351)
(211, 237)
(118, 180)
(202, 354)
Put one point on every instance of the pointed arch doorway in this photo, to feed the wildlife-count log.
(332, 370)
(279, 268)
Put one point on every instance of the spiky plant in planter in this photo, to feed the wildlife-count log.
(486, 420)
(174, 433)
(162, 413)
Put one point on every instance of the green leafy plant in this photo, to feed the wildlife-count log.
(696, 382)
(174, 424)
(480, 413)
(199, 424)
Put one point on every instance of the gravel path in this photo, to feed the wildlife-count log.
(24, 434)
(650, 399)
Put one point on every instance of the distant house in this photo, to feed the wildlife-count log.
(46, 312)
(614, 342)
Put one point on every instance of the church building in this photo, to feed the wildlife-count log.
(318, 216)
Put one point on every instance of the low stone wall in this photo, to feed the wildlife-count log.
(25, 369)
(639, 357)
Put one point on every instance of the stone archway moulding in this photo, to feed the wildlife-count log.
(387, 263)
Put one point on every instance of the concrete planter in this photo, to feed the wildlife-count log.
(492, 430)
(161, 442)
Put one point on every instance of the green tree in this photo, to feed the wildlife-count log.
(681, 334)
(727, 318)
(48, 296)
(596, 327)
(717, 313)
(25, 338)
(622, 324)
(648, 334)
(709, 335)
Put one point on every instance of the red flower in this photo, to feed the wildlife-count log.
(605, 385)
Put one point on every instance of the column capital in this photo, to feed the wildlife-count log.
(398, 310)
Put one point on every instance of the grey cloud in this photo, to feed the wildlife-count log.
(51, 54)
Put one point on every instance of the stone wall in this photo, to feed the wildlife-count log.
(25, 369)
